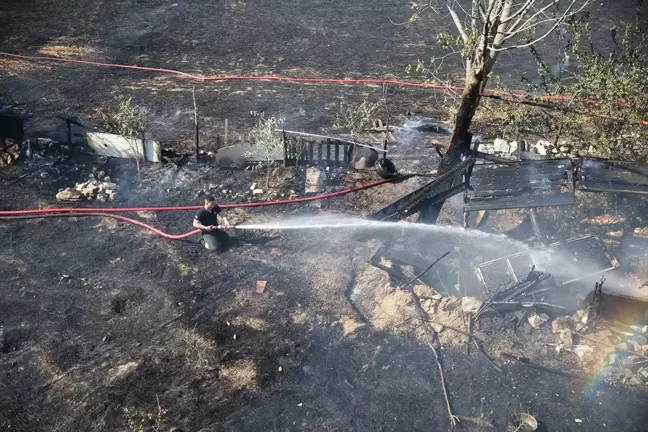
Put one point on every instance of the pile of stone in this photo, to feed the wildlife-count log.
(499, 146)
(626, 356)
(9, 156)
(621, 353)
(545, 148)
(98, 186)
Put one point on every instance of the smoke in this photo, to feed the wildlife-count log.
(468, 249)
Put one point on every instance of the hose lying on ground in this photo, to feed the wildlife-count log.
(108, 212)
(114, 216)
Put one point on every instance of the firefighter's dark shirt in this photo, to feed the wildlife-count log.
(208, 217)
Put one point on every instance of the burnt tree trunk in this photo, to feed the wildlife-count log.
(459, 141)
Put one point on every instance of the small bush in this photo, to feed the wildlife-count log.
(266, 141)
(355, 117)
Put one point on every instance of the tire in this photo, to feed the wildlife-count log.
(386, 169)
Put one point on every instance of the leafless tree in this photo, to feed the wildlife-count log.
(484, 31)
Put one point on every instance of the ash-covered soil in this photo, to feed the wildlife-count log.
(232, 37)
(106, 327)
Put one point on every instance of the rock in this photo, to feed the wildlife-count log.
(560, 324)
(315, 179)
(109, 185)
(254, 186)
(640, 339)
(257, 191)
(88, 191)
(627, 373)
(565, 338)
(612, 358)
(449, 303)
(470, 304)
(44, 174)
(582, 350)
(499, 145)
(70, 195)
(424, 291)
(536, 320)
(102, 197)
(428, 305)
(513, 146)
(107, 179)
(542, 146)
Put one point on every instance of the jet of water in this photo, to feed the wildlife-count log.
(357, 223)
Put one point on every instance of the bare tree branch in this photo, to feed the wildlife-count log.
(568, 13)
(520, 12)
(450, 4)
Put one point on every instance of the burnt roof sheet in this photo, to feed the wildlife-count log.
(598, 175)
(521, 185)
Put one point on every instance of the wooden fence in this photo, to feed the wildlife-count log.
(304, 151)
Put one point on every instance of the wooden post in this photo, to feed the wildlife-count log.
(328, 152)
(310, 153)
(337, 153)
(285, 149)
(346, 155)
(319, 154)
(226, 131)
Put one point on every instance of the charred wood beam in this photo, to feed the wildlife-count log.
(434, 191)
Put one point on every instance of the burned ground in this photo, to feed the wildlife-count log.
(313, 39)
(99, 317)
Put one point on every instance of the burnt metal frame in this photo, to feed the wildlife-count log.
(587, 182)
(613, 262)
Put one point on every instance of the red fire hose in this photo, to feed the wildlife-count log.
(114, 216)
(109, 212)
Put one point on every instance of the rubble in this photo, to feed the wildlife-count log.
(8, 157)
(98, 186)
(315, 179)
(471, 304)
(537, 320)
(69, 194)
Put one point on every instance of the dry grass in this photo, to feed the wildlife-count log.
(198, 351)
(14, 67)
(303, 73)
(240, 375)
(250, 322)
(63, 47)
